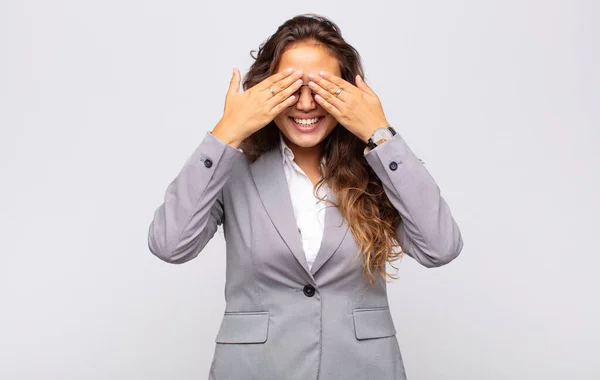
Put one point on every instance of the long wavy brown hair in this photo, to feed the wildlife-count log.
(359, 193)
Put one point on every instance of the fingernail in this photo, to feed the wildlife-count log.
(289, 70)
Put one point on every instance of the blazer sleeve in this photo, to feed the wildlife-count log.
(427, 231)
(193, 203)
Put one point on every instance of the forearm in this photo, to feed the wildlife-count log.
(428, 232)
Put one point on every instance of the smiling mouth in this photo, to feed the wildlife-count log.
(318, 117)
(306, 127)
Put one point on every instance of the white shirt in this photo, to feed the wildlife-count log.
(308, 210)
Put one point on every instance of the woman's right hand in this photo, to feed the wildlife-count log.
(247, 112)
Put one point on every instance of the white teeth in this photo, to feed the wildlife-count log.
(306, 121)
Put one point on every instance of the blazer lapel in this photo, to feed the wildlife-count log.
(272, 186)
(334, 232)
(269, 177)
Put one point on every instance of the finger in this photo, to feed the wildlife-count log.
(332, 88)
(234, 84)
(265, 84)
(333, 82)
(327, 95)
(283, 95)
(330, 108)
(323, 83)
(363, 85)
(286, 82)
(283, 105)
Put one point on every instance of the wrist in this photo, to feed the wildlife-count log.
(368, 132)
(380, 136)
(223, 132)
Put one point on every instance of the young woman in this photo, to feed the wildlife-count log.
(316, 192)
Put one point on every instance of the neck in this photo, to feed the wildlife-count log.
(308, 158)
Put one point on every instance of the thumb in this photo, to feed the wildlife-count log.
(363, 86)
(234, 84)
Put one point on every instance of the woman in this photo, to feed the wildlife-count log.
(316, 193)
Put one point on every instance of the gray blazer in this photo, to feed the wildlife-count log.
(283, 321)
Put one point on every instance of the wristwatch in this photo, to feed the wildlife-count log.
(384, 134)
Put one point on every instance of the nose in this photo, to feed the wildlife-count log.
(306, 101)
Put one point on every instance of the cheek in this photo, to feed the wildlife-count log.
(331, 124)
(280, 118)
(279, 121)
(332, 120)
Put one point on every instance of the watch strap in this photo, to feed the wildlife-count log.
(372, 144)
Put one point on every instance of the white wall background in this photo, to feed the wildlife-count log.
(102, 102)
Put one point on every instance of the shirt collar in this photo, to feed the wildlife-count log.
(286, 151)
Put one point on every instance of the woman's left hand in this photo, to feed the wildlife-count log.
(358, 109)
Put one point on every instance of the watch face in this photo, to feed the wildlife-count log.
(382, 133)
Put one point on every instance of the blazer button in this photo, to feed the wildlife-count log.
(309, 291)
(208, 162)
(393, 165)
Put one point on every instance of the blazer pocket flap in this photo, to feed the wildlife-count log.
(243, 327)
(373, 323)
